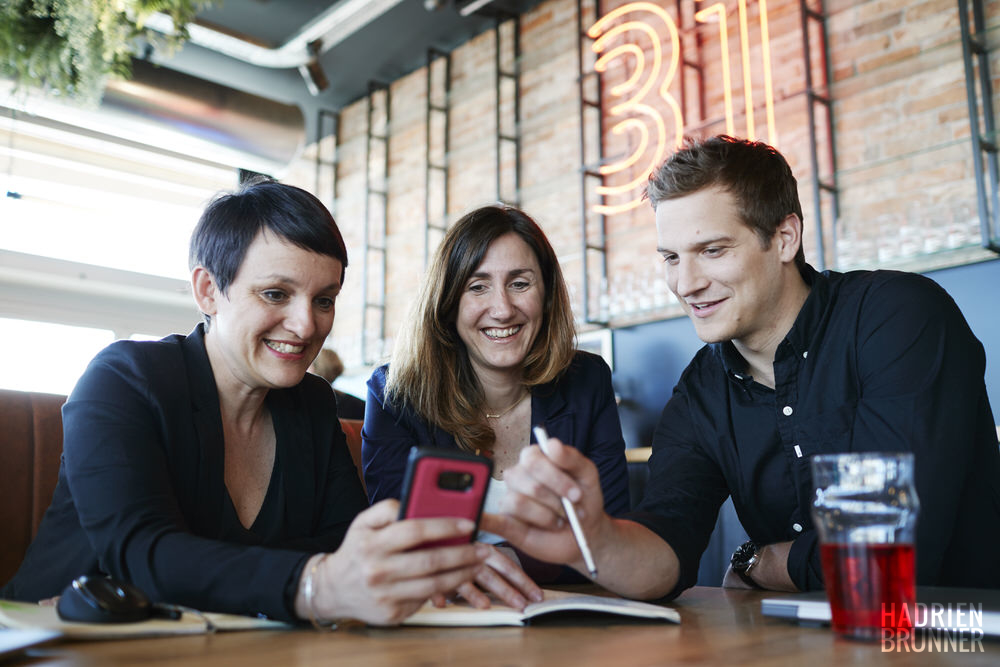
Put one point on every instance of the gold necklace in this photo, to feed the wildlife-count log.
(514, 405)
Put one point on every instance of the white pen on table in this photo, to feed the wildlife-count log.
(574, 522)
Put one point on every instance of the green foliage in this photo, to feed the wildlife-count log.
(69, 48)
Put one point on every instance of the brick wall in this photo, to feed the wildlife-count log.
(901, 136)
(904, 155)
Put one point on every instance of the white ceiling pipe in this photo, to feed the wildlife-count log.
(331, 27)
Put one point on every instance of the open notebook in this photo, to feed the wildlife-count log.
(555, 602)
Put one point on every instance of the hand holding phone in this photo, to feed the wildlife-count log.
(444, 483)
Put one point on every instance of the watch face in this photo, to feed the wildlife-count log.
(744, 556)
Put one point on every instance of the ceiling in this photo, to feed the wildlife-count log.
(237, 94)
(172, 134)
(364, 40)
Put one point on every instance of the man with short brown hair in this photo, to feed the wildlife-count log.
(797, 363)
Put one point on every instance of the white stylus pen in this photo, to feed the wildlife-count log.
(574, 523)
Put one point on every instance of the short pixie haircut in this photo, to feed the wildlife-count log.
(231, 222)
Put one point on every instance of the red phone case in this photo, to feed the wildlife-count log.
(424, 496)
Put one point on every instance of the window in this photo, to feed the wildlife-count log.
(47, 357)
(84, 197)
(93, 245)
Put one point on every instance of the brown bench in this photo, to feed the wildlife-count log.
(30, 450)
(31, 433)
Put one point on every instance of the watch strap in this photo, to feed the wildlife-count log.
(747, 579)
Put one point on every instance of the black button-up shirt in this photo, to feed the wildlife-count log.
(876, 361)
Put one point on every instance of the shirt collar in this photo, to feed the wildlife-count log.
(813, 310)
(201, 379)
(732, 361)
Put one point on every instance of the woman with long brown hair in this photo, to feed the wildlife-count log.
(488, 354)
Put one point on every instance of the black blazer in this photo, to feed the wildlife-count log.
(141, 492)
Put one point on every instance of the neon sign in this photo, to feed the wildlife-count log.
(644, 101)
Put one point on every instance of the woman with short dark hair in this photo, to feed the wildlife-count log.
(210, 470)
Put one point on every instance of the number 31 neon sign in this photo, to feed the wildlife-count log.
(644, 96)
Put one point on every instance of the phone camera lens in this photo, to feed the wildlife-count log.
(453, 480)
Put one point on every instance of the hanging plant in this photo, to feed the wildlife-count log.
(69, 48)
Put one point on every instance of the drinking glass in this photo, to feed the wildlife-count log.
(865, 511)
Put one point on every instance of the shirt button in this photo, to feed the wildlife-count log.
(805, 354)
(787, 411)
(797, 527)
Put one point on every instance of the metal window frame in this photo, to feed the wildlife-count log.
(982, 127)
(433, 110)
(375, 253)
(513, 75)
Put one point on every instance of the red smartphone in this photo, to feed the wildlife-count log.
(444, 483)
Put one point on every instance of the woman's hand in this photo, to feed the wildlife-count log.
(504, 578)
(377, 576)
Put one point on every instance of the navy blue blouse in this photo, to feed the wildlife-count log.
(579, 409)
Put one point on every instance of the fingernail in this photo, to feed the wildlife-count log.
(574, 494)
(482, 551)
(465, 525)
(537, 596)
(519, 603)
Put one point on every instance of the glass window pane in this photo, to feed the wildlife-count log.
(83, 198)
(128, 235)
(68, 350)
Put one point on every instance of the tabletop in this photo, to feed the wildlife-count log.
(718, 626)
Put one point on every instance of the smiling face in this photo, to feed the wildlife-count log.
(500, 310)
(731, 287)
(271, 324)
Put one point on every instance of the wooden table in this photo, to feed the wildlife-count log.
(719, 626)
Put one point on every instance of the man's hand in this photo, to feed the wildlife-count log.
(631, 560)
(533, 517)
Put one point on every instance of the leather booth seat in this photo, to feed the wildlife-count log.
(31, 437)
(30, 452)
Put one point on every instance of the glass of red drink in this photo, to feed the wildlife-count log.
(865, 510)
